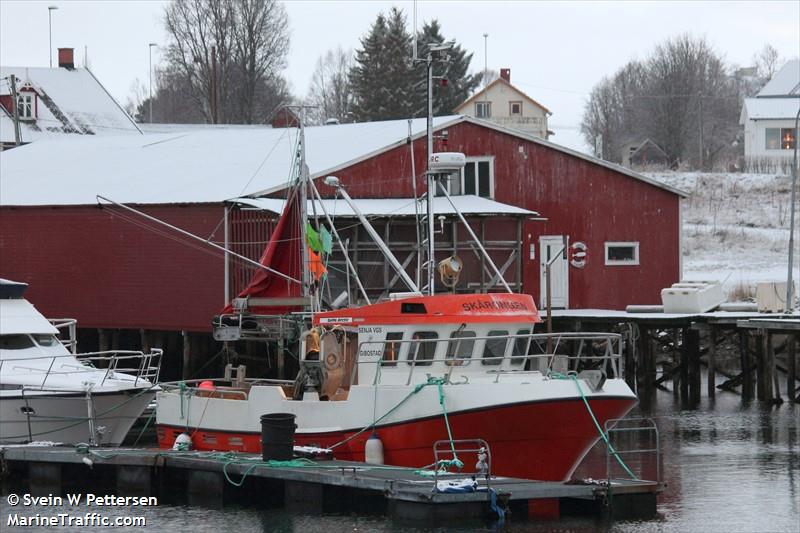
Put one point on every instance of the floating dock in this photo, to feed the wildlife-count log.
(312, 487)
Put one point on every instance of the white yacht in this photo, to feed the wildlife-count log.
(50, 393)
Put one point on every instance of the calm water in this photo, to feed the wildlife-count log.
(729, 467)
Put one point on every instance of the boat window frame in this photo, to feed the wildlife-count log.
(495, 360)
(516, 360)
(459, 338)
(392, 345)
(426, 346)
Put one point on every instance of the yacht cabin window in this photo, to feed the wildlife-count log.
(459, 349)
(520, 348)
(495, 349)
(15, 342)
(45, 340)
(423, 349)
(391, 350)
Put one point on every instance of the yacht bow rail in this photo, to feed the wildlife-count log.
(71, 326)
(142, 366)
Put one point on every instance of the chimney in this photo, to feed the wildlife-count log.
(65, 58)
(505, 73)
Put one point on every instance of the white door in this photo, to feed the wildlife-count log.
(551, 247)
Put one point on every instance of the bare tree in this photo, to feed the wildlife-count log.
(330, 89)
(766, 62)
(229, 54)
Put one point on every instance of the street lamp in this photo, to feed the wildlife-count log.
(151, 80)
(50, 10)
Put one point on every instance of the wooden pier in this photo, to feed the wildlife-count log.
(215, 480)
(682, 344)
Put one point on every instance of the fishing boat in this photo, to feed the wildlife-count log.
(417, 368)
(48, 392)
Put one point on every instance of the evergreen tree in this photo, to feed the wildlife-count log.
(382, 78)
(460, 84)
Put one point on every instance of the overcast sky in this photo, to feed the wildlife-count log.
(556, 50)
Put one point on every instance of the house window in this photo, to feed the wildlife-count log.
(26, 105)
(622, 253)
(483, 109)
(515, 108)
(780, 138)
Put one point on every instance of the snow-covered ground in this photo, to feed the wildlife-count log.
(735, 228)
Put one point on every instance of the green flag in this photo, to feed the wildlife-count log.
(312, 238)
(327, 240)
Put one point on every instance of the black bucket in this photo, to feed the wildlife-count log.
(277, 436)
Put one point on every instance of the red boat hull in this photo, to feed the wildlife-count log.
(538, 440)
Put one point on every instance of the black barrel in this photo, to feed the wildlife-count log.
(277, 436)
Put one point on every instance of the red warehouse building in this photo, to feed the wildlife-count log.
(524, 196)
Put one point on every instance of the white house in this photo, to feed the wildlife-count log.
(769, 120)
(55, 102)
(504, 104)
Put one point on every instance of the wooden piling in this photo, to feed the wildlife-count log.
(791, 366)
(744, 354)
(772, 387)
(695, 381)
(676, 360)
(761, 391)
(187, 354)
(712, 357)
(687, 349)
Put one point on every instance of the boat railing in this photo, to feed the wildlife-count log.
(224, 388)
(571, 351)
(142, 366)
(70, 341)
(445, 451)
(631, 440)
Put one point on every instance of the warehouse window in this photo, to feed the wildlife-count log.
(515, 108)
(622, 253)
(477, 177)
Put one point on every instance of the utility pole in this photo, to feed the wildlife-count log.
(50, 10)
(789, 306)
(214, 115)
(151, 45)
(700, 117)
(485, 74)
(15, 98)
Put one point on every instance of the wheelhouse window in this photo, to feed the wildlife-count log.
(520, 350)
(459, 349)
(45, 340)
(515, 108)
(780, 139)
(483, 109)
(423, 349)
(391, 349)
(495, 349)
(622, 253)
(26, 105)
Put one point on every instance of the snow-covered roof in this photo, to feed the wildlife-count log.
(785, 82)
(770, 108)
(397, 207)
(69, 102)
(207, 165)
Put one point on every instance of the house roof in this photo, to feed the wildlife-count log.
(785, 82)
(770, 108)
(508, 84)
(397, 207)
(210, 165)
(69, 102)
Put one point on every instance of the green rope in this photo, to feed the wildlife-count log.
(574, 378)
(146, 425)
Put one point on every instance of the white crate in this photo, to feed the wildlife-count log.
(771, 296)
(692, 297)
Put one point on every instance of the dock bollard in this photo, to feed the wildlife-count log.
(277, 436)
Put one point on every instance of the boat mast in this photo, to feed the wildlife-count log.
(431, 178)
(303, 182)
